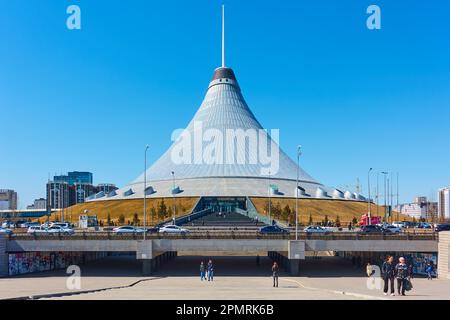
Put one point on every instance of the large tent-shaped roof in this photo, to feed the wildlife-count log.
(216, 162)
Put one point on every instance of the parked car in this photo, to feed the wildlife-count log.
(36, 229)
(52, 230)
(7, 224)
(316, 229)
(152, 229)
(128, 229)
(391, 229)
(61, 224)
(399, 224)
(272, 229)
(409, 224)
(172, 229)
(21, 224)
(424, 225)
(59, 229)
(442, 227)
(31, 224)
(46, 224)
(5, 231)
(371, 229)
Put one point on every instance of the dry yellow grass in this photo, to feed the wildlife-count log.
(126, 207)
(347, 210)
(317, 208)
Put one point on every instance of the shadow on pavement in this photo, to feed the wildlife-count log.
(330, 267)
(189, 266)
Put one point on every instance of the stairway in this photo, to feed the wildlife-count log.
(229, 219)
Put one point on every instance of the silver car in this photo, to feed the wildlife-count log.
(128, 229)
(316, 229)
(5, 231)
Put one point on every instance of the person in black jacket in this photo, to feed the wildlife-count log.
(388, 273)
(402, 274)
(275, 270)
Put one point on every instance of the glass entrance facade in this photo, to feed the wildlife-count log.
(224, 204)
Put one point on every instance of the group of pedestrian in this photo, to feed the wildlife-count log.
(207, 272)
(400, 271)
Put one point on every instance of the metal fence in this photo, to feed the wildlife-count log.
(226, 234)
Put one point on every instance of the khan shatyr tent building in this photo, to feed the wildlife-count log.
(206, 146)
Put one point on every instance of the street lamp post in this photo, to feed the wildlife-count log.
(299, 153)
(378, 194)
(391, 189)
(270, 192)
(368, 200)
(145, 190)
(385, 208)
(173, 197)
(398, 195)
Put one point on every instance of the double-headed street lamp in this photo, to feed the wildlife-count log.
(299, 153)
(145, 190)
(173, 196)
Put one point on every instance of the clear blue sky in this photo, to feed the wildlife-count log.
(354, 98)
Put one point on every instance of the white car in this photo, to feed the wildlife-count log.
(128, 229)
(392, 229)
(52, 229)
(316, 229)
(7, 224)
(173, 229)
(398, 224)
(5, 231)
(61, 224)
(59, 229)
(37, 229)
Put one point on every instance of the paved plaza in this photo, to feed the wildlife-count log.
(237, 278)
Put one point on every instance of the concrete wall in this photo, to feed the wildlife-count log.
(73, 245)
(248, 245)
(443, 257)
(3, 257)
(372, 245)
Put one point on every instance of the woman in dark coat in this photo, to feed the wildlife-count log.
(388, 273)
(402, 274)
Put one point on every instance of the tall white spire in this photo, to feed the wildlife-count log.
(223, 36)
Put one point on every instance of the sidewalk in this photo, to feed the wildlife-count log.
(341, 276)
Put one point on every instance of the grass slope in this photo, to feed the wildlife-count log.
(126, 207)
(318, 208)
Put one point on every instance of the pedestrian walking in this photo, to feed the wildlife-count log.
(410, 267)
(402, 275)
(210, 268)
(388, 273)
(429, 270)
(275, 270)
(202, 271)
